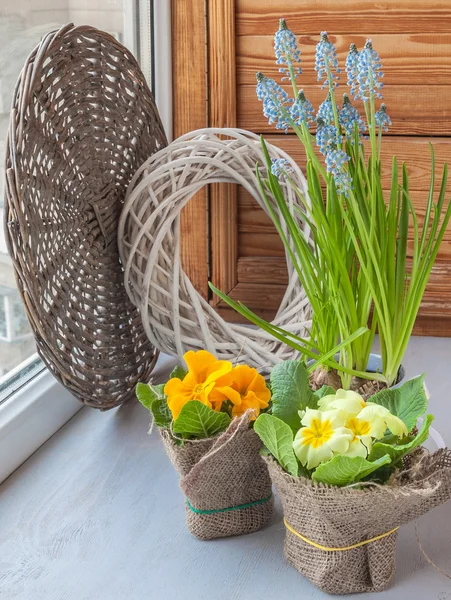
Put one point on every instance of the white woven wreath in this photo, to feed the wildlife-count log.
(175, 316)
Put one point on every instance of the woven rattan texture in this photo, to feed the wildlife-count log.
(83, 120)
(175, 316)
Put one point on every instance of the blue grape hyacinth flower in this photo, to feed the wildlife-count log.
(336, 161)
(382, 119)
(275, 100)
(326, 61)
(326, 135)
(352, 70)
(287, 51)
(281, 167)
(349, 116)
(326, 111)
(302, 110)
(370, 71)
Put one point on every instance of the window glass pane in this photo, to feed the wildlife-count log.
(22, 24)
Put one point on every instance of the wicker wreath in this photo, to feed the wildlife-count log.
(83, 120)
(175, 316)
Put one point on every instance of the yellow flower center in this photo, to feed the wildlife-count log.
(358, 427)
(198, 389)
(317, 434)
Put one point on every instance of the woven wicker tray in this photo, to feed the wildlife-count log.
(82, 122)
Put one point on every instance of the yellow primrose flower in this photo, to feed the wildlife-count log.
(380, 419)
(248, 390)
(362, 442)
(347, 400)
(322, 436)
(206, 376)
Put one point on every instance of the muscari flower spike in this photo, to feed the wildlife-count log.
(382, 119)
(326, 60)
(326, 135)
(352, 70)
(325, 111)
(336, 161)
(287, 51)
(349, 116)
(275, 99)
(302, 110)
(280, 167)
(370, 71)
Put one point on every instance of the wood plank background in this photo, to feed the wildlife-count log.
(414, 42)
(190, 112)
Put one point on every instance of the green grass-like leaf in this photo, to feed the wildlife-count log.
(277, 437)
(199, 421)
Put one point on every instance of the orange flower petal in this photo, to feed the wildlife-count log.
(175, 404)
(218, 370)
(174, 386)
(228, 393)
(198, 363)
(246, 404)
(254, 398)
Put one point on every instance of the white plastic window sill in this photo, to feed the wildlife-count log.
(30, 416)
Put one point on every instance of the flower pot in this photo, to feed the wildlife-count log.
(225, 481)
(374, 366)
(344, 539)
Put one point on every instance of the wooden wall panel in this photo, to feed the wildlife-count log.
(408, 59)
(222, 113)
(254, 226)
(190, 112)
(415, 152)
(258, 268)
(365, 17)
(424, 110)
(235, 39)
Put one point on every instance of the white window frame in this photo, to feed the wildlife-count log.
(8, 301)
(36, 408)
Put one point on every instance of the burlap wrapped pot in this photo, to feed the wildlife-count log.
(337, 518)
(225, 481)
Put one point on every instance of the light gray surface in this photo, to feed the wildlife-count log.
(97, 514)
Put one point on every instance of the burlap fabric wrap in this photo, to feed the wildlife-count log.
(226, 471)
(340, 517)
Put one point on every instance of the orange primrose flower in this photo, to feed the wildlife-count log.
(205, 378)
(248, 391)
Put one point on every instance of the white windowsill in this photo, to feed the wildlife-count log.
(30, 417)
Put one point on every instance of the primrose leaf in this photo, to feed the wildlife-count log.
(277, 437)
(344, 470)
(147, 394)
(325, 390)
(178, 372)
(162, 416)
(200, 421)
(291, 392)
(396, 453)
(154, 399)
(408, 401)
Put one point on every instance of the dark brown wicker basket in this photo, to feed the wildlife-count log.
(82, 122)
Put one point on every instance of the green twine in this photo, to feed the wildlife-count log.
(220, 510)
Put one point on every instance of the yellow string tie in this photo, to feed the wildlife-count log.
(321, 547)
